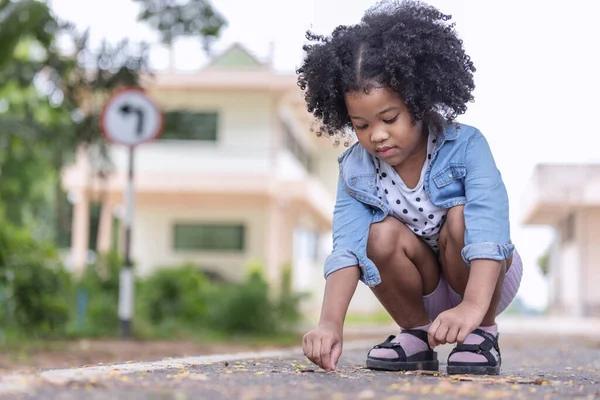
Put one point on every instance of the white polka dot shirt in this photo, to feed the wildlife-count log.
(411, 206)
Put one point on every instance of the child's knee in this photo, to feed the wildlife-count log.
(388, 240)
(452, 235)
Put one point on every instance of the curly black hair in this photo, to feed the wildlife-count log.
(409, 47)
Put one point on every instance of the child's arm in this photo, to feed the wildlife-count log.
(467, 316)
(487, 242)
(483, 278)
(323, 346)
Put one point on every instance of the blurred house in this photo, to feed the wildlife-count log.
(236, 178)
(567, 198)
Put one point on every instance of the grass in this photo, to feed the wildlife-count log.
(378, 318)
(20, 348)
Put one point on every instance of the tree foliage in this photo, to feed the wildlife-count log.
(172, 18)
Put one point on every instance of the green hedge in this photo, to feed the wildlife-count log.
(35, 290)
(39, 299)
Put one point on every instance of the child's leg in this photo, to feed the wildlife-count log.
(409, 271)
(456, 273)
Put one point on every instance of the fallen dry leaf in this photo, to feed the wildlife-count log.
(422, 372)
(499, 380)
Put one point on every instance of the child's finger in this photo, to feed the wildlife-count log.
(317, 352)
(452, 334)
(305, 346)
(336, 352)
(432, 331)
(440, 334)
(308, 350)
(462, 335)
(326, 345)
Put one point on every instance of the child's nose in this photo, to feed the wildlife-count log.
(379, 135)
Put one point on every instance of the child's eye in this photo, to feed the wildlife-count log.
(361, 127)
(391, 121)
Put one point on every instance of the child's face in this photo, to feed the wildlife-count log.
(383, 125)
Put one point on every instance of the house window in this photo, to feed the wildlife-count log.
(212, 237)
(190, 125)
(292, 144)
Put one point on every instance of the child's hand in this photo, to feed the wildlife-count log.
(454, 325)
(323, 346)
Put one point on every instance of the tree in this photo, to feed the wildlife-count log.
(172, 18)
(49, 107)
(28, 30)
(50, 102)
(24, 19)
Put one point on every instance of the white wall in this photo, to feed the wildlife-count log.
(569, 279)
(153, 238)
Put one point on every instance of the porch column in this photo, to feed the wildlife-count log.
(80, 232)
(273, 244)
(105, 228)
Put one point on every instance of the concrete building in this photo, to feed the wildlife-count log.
(236, 177)
(567, 198)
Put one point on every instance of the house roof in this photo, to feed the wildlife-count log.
(236, 57)
(236, 68)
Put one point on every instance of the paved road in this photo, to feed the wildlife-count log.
(539, 368)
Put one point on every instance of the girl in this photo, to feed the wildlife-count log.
(421, 214)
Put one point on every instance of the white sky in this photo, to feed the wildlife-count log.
(538, 75)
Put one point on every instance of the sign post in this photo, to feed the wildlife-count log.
(129, 118)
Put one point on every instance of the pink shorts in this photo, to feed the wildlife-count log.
(444, 297)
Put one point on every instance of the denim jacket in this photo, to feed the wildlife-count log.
(462, 172)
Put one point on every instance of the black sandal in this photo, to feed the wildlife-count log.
(491, 367)
(423, 361)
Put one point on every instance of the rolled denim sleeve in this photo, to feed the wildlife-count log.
(351, 221)
(487, 234)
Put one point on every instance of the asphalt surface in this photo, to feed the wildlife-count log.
(535, 368)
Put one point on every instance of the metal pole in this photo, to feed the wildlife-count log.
(126, 277)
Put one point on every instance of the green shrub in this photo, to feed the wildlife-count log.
(34, 288)
(98, 289)
(288, 304)
(174, 293)
(245, 308)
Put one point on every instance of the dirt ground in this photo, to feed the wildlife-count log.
(86, 352)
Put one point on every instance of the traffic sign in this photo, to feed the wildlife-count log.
(130, 118)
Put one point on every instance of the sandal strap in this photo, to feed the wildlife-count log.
(489, 342)
(397, 347)
(419, 333)
(388, 344)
